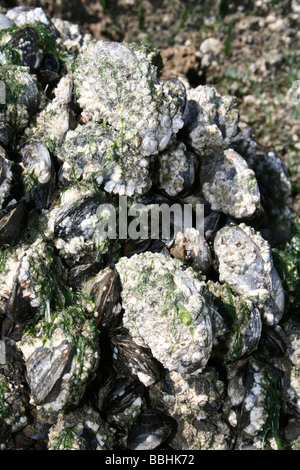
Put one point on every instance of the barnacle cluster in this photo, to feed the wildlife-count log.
(190, 340)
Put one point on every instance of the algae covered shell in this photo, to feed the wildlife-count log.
(117, 75)
(59, 358)
(246, 264)
(161, 300)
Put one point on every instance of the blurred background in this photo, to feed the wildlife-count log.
(247, 48)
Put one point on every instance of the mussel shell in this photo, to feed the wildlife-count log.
(120, 393)
(49, 69)
(12, 222)
(29, 94)
(76, 211)
(150, 430)
(132, 247)
(18, 308)
(212, 223)
(6, 134)
(106, 294)
(32, 155)
(4, 166)
(45, 369)
(79, 274)
(26, 42)
(273, 342)
(131, 358)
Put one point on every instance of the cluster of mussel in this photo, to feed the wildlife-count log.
(182, 342)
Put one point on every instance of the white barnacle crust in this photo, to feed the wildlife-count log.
(22, 16)
(246, 265)
(71, 36)
(166, 307)
(229, 185)
(176, 168)
(211, 119)
(53, 122)
(119, 82)
(92, 150)
(28, 266)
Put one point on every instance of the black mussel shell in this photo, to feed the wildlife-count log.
(273, 342)
(107, 294)
(26, 43)
(77, 212)
(150, 430)
(6, 134)
(120, 394)
(134, 359)
(49, 70)
(45, 369)
(12, 222)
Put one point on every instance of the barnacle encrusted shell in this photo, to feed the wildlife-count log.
(176, 168)
(211, 119)
(166, 307)
(119, 83)
(250, 384)
(53, 122)
(13, 397)
(229, 185)
(60, 354)
(96, 151)
(23, 278)
(195, 404)
(22, 96)
(190, 247)
(72, 224)
(245, 263)
(236, 323)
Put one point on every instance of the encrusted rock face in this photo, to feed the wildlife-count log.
(166, 307)
(22, 284)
